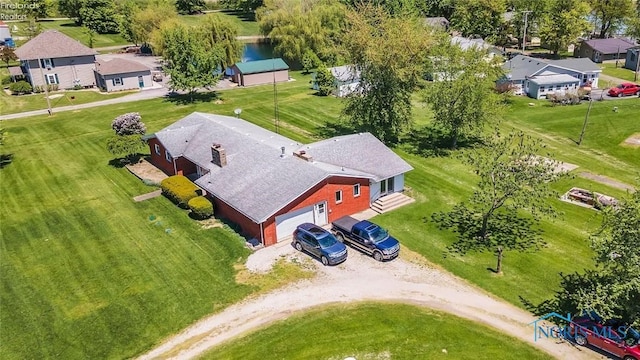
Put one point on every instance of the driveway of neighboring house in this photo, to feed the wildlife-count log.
(360, 278)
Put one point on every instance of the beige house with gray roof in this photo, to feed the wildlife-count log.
(56, 59)
(121, 74)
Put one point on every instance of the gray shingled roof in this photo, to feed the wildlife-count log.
(522, 66)
(554, 79)
(610, 46)
(358, 154)
(257, 180)
(119, 66)
(345, 73)
(52, 44)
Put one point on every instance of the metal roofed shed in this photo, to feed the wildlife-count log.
(260, 72)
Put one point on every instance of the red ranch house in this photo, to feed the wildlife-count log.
(268, 184)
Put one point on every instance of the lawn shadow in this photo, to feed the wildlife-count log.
(492, 270)
(433, 141)
(5, 160)
(187, 99)
(331, 129)
(119, 163)
(244, 16)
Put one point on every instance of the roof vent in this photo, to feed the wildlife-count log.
(282, 154)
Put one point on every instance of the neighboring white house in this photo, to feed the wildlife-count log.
(346, 80)
(121, 74)
(538, 77)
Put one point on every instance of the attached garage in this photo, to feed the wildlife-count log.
(287, 223)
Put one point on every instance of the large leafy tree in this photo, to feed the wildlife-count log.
(127, 10)
(564, 23)
(71, 8)
(128, 124)
(296, 27)
(535, 12)
(7, 55)
(510, 199)
(393, 7)
(125, 147)
(100, 16)
(462, 96)
(150, 19)
(611, 14)
(390, 54)
(190, 59)
(36, 9)
(478, 17)
(190, 6)
(222, 33)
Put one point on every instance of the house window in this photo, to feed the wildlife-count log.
(157, 147)
(356, 190)
(338, 196)
(167, 156)
(117, 81)
(47, 63)
(541, 88)
(52, 79)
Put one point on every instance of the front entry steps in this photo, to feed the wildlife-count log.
(391, 202)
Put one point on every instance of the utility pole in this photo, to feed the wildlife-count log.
(46, 87)
(524, 36)
(586, 119)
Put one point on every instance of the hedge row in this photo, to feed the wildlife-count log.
(201, 207)
(179, 189)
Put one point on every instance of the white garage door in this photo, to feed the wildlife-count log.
(287, 223)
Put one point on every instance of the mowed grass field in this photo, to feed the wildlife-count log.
(375, 331)
(620, 72)
(85, 269)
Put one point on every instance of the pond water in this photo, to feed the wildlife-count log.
(257, 51)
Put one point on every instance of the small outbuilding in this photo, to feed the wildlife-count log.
(121, 74)
(632, 60)
(260, 72)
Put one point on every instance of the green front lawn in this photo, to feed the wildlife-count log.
(69, 28)
(376, 331)
(247, 26)
(86, 269)
(10, 104)
(619, 72)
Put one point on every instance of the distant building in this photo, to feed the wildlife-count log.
(121, 74)
(537, 77)
(632, 58)
(260, 72)
(5, 35)
(346, 80)
(55, 59)
(599, 50)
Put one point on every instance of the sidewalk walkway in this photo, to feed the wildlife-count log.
(141, 95)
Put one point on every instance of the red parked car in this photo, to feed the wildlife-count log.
(625, 89)
(618, 340)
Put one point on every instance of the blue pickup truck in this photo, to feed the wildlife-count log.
(366, 237)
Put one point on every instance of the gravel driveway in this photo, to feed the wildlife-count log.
(360, 278)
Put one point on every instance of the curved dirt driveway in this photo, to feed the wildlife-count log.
(360, 278)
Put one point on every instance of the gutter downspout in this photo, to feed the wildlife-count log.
(175, 169)
(261, 234)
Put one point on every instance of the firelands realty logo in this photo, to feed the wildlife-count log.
(571, 330)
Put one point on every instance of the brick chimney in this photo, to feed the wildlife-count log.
(303, 155)
(218, 155)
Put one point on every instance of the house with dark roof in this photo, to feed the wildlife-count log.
(539, 77)
(268, 184)
(632, 59)
(600, 50)
(56, 59)
(121, 74)
(346, 80)
(260, 72)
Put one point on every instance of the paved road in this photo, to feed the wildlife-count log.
(142, 95)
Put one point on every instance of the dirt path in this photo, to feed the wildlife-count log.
(360, 278)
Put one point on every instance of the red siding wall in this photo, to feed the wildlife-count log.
(325, 191)
(247, 225)
(159, 159)
(183, 166)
